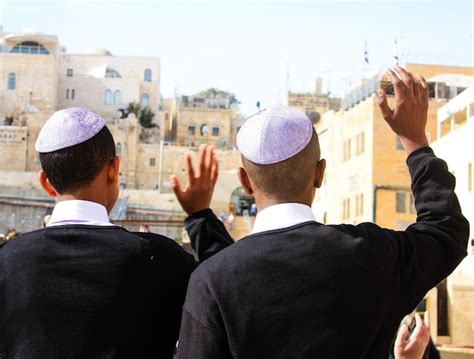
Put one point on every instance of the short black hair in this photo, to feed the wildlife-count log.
(286, 179)
(73, 167)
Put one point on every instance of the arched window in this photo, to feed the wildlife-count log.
(111, 73)
(108, 97)
(204, 130)
(117, 97)
(191, 129)
(30, 47)
(145, 102)
(147, 76)
(11, 84)
(215, 130)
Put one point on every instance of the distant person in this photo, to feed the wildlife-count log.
(83, 287)
(11, 234)
(413, 340)
(222, 216)
(46, 220)
(296, 288)
(230, 220)
(253, 209)
(144, 228)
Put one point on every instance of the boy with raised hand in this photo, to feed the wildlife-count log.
(295, 288)
(83, 287)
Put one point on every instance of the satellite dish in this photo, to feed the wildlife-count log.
(121, 113)
(314, 116)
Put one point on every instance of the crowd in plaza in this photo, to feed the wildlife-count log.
(81, 287)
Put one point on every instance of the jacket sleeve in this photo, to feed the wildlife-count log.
(207, 233)
(429, 250)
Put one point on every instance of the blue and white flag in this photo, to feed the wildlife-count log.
(366, 53)
(395, 53)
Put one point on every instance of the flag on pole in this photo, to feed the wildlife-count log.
(366, 53)
(395, 53)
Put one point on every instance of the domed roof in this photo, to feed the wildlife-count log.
(98, 51)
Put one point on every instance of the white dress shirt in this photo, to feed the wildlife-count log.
(79, 212)
(282, 216)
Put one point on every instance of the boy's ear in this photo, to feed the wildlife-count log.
(244, 180)
(320, 168)
(46, 185)
(114, 170)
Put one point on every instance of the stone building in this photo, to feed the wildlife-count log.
(38, 77)
(314, 104)
(208, 117)
(454, 144)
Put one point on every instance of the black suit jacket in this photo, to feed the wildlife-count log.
(79, 291)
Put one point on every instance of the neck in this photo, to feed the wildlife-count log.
(263, 201)
(89, 196)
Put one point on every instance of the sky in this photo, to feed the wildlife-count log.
(257, 50)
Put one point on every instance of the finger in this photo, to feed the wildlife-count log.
(188, 163)
(425, 86)
(214, 169)
(209, 156)
(402, 337)
(398, 86)
(417, 88)
(419, 328)
(176, 186)
(407, 79)
(387, 112)
(201, 163)
(427, 320)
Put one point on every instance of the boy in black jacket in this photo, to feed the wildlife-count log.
(82, 287)
(295, 288)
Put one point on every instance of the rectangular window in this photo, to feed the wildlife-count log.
(215, 131)
(400, 202)
(362, 143)
(346, 155)
(73, 94)
(412, 204)
(152, 162)
(69, 72)
(346, 209)
(67, 94)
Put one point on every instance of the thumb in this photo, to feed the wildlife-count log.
(383, 104)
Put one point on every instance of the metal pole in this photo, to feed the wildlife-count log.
(160, 169)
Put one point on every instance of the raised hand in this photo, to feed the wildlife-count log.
(414, 346)
(410, 113)
(198, 193)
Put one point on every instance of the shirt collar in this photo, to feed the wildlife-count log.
(282, 216)
(79, 212)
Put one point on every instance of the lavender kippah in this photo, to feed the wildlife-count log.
(67, 128)
(274, 135)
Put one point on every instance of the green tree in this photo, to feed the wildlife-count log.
(144, 115)
(214, 92)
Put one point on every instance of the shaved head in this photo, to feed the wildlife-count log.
(286, 179)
